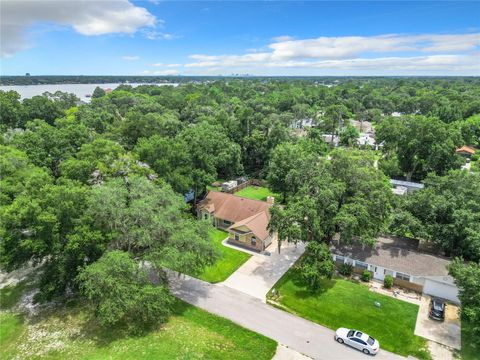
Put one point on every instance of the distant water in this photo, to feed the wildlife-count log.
(81, 90)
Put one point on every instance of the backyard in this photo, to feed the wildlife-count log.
(68, 331)
(229, 260)
(343, 303)
(256, 193)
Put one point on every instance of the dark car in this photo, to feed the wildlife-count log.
(437, 310)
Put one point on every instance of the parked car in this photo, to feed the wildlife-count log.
(437, 309)
(358, 340)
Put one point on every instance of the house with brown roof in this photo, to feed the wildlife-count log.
(466, 151)
(401, 258)
(246, 220)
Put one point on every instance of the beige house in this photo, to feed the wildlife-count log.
(246, 220)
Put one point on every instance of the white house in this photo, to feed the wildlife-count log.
(400, 258)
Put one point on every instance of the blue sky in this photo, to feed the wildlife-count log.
(222, 38)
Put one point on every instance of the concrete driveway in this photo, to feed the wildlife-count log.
(260, 273)
(443, 332)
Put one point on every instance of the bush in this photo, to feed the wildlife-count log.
(366, 275)
(388, 281)
(346, 269)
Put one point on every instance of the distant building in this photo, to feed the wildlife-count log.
(229, 185)
(331, 140)
(401, 187)
(466, 151)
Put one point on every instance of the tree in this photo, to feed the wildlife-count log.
(150, 222)
(467, 278)
(121, 292)
(47, 146)
(316, 264)
(98, 93)
(349, 136)
(422, 144)
(43, 108)
(344, 195)
(13, 113)
(446, 213)
(171, 160)
(334, 118)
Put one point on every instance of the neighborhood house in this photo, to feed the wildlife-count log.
(246, 220)
(400, 258)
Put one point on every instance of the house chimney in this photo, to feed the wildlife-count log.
(270, 199)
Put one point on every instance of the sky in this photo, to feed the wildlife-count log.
(295, 38)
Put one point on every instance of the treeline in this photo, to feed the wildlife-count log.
(99, 186)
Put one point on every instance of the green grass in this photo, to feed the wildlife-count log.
(229, 260)
(469, 351)
(191, 333)
(11, 294)
(342, 303)
(257, 193)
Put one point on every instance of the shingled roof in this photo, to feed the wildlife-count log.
(241, 211)
(395, 254)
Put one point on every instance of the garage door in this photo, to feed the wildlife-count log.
(441, 290)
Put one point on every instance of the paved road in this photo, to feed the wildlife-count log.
(260, 273)
(299, 334)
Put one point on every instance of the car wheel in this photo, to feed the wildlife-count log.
(365, 351)
(340, 340)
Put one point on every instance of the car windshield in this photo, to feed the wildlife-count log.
(370, 341)
(437, 306)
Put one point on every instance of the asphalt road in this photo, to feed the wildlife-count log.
(299, 334)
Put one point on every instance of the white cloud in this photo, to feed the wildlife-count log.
(88, 18)
(162, 72)
(157, 35)
(131, 58)
(393, 54)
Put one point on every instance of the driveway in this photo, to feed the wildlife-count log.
(292, 331)
(446, 332)
(260, 273)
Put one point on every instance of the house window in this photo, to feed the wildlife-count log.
(227, 223)
(253, 241)
(205, 216)
(402, 276)
(237, 238)
(361, 264)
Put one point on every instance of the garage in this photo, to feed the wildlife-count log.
(442, 288)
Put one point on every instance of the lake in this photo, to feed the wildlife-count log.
(80, 90)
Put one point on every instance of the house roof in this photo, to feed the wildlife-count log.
(407, 184)
(257, 224)
(395, 254)
(466, 149)
(232, 207)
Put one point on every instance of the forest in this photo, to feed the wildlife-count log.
(87, 188)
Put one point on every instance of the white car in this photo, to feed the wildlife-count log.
(358, 340)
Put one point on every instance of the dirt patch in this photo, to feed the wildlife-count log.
(452, 312)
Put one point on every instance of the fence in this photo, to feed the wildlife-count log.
(251, 182)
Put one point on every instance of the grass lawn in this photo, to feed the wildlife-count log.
(229, 261)
(469, 351)
(257, 193)
(67, 332)
(190, 333)
(342, 303)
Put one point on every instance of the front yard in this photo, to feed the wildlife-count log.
(229, 260)
(68, 332)
(343, 303)
(257, 193)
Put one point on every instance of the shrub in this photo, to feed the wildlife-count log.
(388, 281)
(366, 275)
(346, 269)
